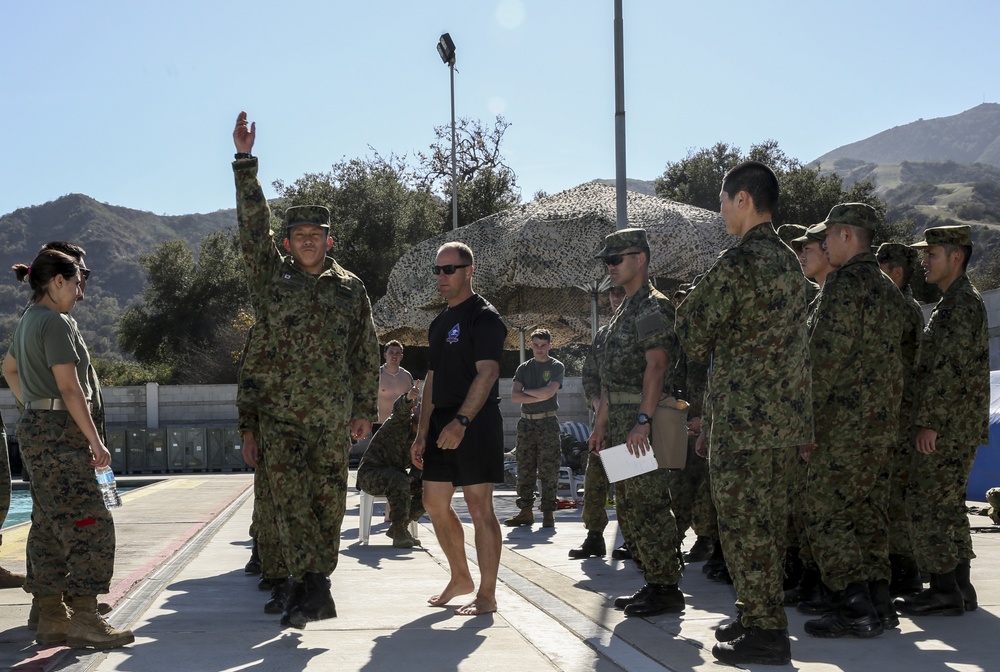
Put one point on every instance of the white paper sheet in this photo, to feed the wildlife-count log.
(620, 464)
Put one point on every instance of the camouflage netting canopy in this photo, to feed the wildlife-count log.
(536, 264)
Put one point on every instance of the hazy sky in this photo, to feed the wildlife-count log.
(133, 103)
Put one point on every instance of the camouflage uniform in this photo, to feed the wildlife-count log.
(745, 317)
(595, 482)
(385, 468)
(855, 345)
(539, 448)
(952, 398)
(642, 323)
(311, 367)
(690, 491)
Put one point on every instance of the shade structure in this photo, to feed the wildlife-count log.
(535, 262)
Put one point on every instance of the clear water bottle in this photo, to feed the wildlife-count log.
(106, 481)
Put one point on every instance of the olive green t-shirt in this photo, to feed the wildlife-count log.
(44, 338)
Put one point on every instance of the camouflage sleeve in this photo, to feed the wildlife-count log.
(364, 365)
(709, 308)
(590, 377)
(945, 366)
(390, 445)
(834, 334)
(697, 382)
(254, 217)
(246, 419)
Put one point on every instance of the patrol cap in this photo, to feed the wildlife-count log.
(811, 236)
(896, 253)
(789, 232)
(619, 241)
(854, 214)
(314, 215)
(946, 235)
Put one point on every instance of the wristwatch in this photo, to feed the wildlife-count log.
(643, 419)
(462, 420)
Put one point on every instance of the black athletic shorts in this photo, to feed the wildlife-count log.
(479, 459)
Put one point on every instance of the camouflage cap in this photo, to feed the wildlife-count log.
(813, 234)
(896, 254)
(854, 214)
(946, 235)
(314, 215)
(789, 232)
(619, 241)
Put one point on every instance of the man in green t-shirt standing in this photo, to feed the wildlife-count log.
(539, 452)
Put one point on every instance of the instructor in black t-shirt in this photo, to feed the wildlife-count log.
(460, 438)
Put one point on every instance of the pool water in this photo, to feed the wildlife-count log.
(20, 506)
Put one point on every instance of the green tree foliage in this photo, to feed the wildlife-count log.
(186, 321)
(486, 184)
(377, 213)
(696, 179)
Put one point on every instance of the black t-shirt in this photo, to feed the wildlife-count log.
(458, 338)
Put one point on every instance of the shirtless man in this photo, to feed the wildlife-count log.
(393, 380)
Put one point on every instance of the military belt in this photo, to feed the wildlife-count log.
(538, 416)
(621, 398)
(49, 405)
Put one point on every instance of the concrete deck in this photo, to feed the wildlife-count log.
(179, 583)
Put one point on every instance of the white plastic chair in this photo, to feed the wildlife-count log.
(365, 517)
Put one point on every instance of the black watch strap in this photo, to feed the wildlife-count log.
(462, 420)
(643, 419)
(242, 155)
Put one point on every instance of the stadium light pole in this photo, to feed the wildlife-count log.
(446, 50)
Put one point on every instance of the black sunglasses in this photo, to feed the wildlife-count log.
(615, 259)
(84, 273)
(448, 269)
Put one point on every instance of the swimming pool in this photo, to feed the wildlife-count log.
(20, 506)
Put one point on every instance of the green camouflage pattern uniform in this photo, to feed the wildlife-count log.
(690, 492)
(952, 398)
(385, 468)
(595, 482)
(745, 318)
(539, 446)
(642, 323)
(855, 340)
(311, 367)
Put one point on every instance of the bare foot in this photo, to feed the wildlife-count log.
(453, 589)
(479, 606)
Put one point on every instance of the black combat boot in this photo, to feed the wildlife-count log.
(659, 599)
(716, 561)
(905, 575)
(854, 616)
(625, 600)
(943, 598)
(964, 581)
(253, 564)
(824, 600)
(793, 569)
(621, 553)
(756, 646)
(731, 630)
(296, 593)
(593, 546)
(317, 603)
(809, 587)
(701, 551)
(883, 604)
(279, 595)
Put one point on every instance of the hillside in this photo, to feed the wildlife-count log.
(114, 238)
(972, 136)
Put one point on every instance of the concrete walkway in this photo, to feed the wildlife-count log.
(179, 583)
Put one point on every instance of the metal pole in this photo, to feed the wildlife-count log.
(621, 219)
(454, 171)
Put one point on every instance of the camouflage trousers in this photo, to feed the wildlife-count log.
(846, 512)
(690, 497)
(595, 496)
(264, 525)
(644, 513)
(900, 531)
(307, 475)
(796, 536)
(750, 492)
(71, 542)
(539, 456)
(4, 480)
(405, 497)
(935, 501)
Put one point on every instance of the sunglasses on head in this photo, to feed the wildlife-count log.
(448, 269)
(615, 259)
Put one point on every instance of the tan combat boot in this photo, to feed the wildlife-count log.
(9, 579)
(53, 619)
(526, 517)
(548, 519)
(88, 629)
(401, 537)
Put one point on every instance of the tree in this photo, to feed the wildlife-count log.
(186, 320)
(376, 212)
(697, 178)
(486, 184)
